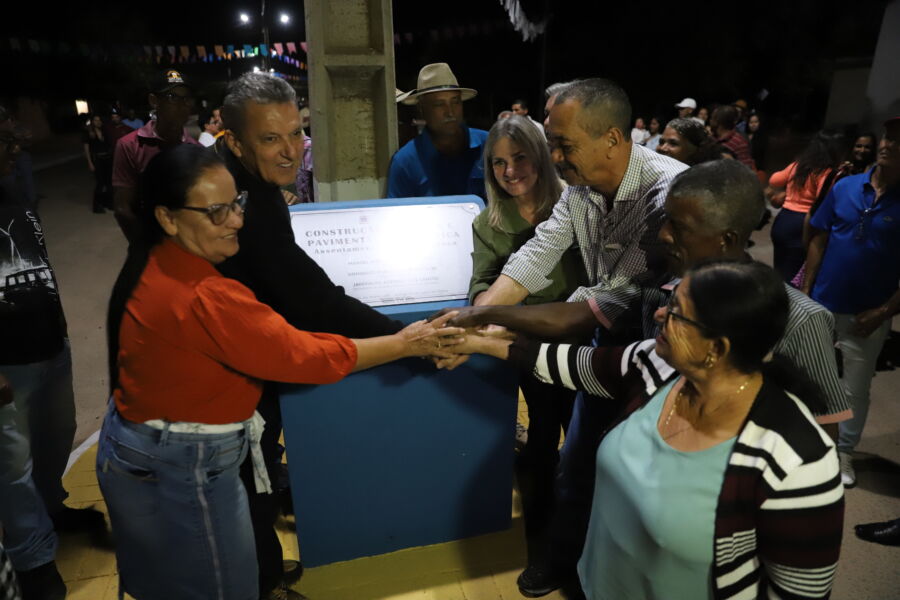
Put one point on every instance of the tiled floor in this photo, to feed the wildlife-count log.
(482, 568)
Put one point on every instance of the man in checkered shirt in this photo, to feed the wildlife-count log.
(612, 210)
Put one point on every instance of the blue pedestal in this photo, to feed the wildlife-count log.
(401, 455)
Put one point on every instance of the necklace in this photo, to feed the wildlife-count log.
(681, 392)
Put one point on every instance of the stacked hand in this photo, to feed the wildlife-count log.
(434, 338)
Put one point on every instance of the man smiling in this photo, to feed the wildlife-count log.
(612, 209)
(262, 150)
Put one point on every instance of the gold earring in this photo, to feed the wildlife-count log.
(709, 361)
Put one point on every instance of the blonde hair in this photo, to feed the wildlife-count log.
(533, 144)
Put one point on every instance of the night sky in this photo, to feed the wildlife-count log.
(715, 52)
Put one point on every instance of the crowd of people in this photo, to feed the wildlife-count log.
(708, 433)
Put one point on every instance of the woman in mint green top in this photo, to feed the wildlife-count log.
(522, 188)
(655, 512)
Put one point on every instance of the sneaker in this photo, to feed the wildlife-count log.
(848, 473)
(283, 592)
(42, 583)
(293, 571)
(536, 581)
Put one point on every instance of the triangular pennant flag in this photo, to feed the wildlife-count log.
(279, 48)
(201, 51)
(219, 50)
(292, 47)
(172, 51)
(248, 49)
(159, 52)
(396, 39)
(185, 51)
(305, 47)
(263, 49)
(148, 51)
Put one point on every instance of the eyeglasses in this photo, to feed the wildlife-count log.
(860, 231)
(178, 99)
(218, 213)
(670, 313)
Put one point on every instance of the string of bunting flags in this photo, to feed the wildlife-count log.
(291, 53)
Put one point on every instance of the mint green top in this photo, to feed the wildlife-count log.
(653, 514)
(492, 247)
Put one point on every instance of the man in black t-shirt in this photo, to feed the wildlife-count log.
(37, 426)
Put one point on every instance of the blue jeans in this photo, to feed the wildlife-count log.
(179, 512)
(36, 434)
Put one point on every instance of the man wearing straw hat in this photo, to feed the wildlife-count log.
(445, 159)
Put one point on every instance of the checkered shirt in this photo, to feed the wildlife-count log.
(614, 244)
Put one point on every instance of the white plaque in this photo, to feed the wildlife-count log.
(385, 255)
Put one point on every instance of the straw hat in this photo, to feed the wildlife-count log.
(436, 77)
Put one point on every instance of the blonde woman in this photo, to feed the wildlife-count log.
(522, 188)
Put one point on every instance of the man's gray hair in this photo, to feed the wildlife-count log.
(559, 87)
(729, 193)
(604, 105)
(261, 88)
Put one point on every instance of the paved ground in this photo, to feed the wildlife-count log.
(87, 251)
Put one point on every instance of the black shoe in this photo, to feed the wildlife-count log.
(293, 571)
(78, 520)
(538, 580)
(42, 583)
(887, 533)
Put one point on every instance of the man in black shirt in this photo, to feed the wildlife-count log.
(37, 405)
(263, 148)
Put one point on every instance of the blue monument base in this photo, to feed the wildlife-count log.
(401, 455)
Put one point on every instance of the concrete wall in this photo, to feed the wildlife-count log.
(883, 90)
(351, 84)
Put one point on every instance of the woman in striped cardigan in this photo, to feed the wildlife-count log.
(716, 482)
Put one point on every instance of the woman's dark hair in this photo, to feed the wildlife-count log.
(746, 301)
(165, 182)
(825, 151)
(694, 132)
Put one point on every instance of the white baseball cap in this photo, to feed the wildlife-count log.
(687, 103)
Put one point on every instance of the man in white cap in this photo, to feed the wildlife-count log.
(445, 159)
(686, 110)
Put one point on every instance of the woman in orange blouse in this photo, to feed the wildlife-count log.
(188, 351)
(802, 180)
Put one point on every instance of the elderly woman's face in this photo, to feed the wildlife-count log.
(194, 230)
(682, 342)
(512, 168)
(672, 144)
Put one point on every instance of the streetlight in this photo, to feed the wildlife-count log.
(284, 18)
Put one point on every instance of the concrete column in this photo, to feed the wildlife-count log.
(883, 90)
(351, 87)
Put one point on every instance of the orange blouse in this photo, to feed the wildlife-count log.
(798, 199)
(195, 346)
